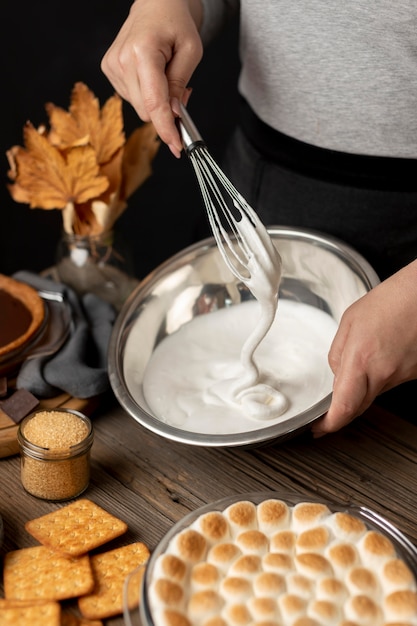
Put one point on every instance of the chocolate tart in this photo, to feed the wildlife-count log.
(22, 313)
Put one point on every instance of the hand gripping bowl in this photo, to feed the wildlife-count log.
(322, 555)
(317, 270)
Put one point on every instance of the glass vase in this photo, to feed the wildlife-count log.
(95, 264)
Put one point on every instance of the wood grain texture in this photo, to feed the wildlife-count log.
(151, 483)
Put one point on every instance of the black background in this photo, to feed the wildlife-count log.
(48, 46)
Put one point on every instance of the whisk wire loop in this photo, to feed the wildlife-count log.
(239, 233)
(225, 209)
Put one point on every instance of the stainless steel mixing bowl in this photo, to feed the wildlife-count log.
(317, 270)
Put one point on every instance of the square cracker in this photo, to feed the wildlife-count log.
(35, 613)
(110, 570)
(76, 528)
(40, 573)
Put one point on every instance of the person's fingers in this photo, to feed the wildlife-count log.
(374, 349)
(161, 85)
(144, 85)
(338, 344)
(351, 397)
(351, 389)
(360, 375)
(152, 60)
(182, 65)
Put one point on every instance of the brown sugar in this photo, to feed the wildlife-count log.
(55, 430)
(55, 453)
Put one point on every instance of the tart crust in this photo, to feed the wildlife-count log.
(29, 306)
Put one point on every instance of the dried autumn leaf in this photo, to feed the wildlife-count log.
(86, 123)
(68, 216)
(65, 132)
(103, 213)
(18, 193)
(140, 150)
(138, 154)
(49, 178)
(112, 170)
(81, 220)
(82, 164)
(83, 172)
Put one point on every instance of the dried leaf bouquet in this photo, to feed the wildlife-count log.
(82, 164)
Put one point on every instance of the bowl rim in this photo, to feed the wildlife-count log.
(247, 439)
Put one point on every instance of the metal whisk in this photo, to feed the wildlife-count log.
(240, 235)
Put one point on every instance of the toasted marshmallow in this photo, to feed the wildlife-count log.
(263, 609)
(313, 540)
(213, 526)
(190, 546)
(306, 621)
(236, 589)
(273, 515)
(223, 555)
(363, 610)
(375, 549)
(237, 615)
(291, 607)
(401, 605)
(204, 576)
(247, 566)
(276, 562)
(253, 542)
(346, 527)
(241, 516)
(215, 621)
(362, 581)
(313, 565)
(331, 589)
(283, 541)
(342, 556)
(299, 585)
(168, 593)
(171, 567)
(169, 617)
(308, 514)
(268, 584)
(396, 575)
(327, 613)
(204, 604)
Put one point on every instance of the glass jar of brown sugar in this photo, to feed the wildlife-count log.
(55, 449)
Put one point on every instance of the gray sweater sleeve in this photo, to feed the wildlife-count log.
(216, 13)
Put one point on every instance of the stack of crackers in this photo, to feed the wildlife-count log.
(38, 579)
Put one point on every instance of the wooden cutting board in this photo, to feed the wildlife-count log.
(8, 429)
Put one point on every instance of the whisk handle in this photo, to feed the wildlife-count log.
(190, 136)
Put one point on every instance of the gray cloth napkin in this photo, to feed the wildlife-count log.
(79, 367)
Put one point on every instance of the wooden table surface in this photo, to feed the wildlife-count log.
(150, 482)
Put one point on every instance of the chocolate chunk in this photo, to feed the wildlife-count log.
(20, 404)
(3, 386)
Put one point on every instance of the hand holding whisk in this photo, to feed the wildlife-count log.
(241, 237)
